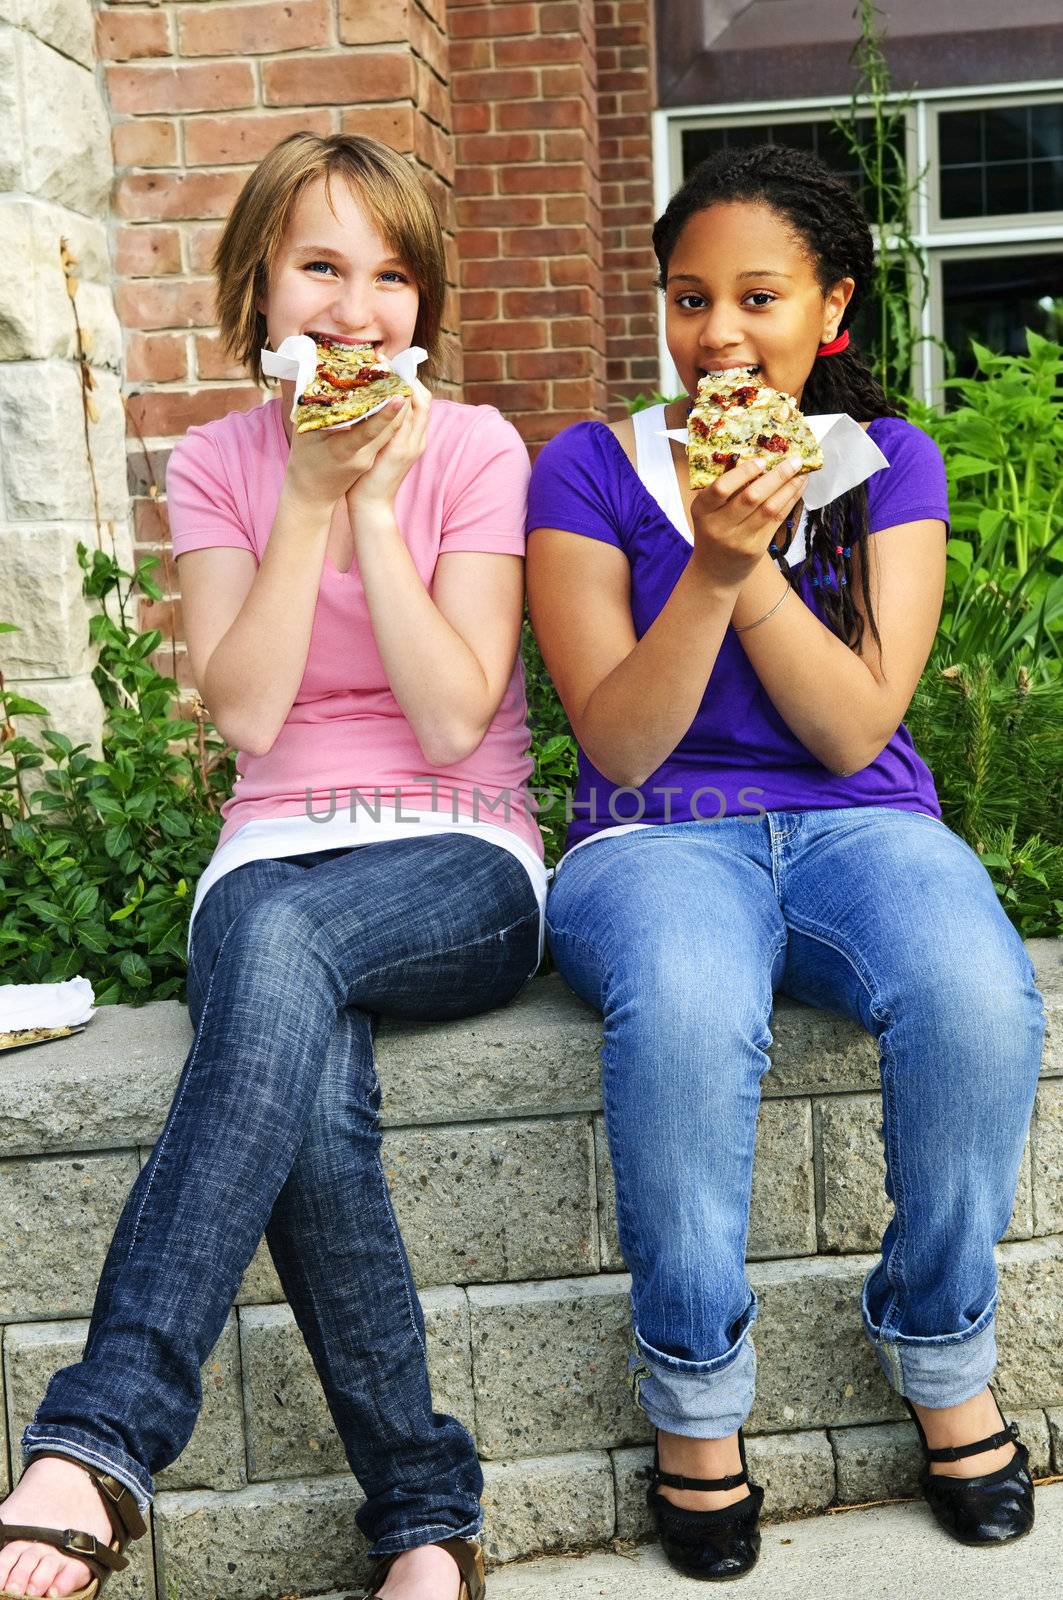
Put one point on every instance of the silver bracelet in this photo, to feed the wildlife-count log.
(750, 625)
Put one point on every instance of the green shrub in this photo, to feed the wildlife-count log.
(98, 866)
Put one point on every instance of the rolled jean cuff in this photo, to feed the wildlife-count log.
(941, 1371)
(393, 1544)
(699, 1399)
(49, 1439)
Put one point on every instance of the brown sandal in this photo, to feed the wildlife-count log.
(101, 1559)
(466, 1553)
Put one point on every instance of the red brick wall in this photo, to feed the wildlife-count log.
(626, 80)
(524, 110)
(529, 121)
(198, 94)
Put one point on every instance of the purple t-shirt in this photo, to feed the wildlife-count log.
(738, 756)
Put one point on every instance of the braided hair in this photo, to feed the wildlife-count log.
(825, 214)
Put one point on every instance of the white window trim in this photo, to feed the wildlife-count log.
(940, 240)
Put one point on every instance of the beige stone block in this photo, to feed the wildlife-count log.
(546, 1504)
(817, 1052)
(261, 1285)
(59, 1215)
(1047, 958)
(68, 158)
(815, 1367)
(1055, 1429)
(537, 1055)
(6, 1478)
(214, 1455)
(41, 582)
(269, 1539)
(550, 1367)
(66, 24)
(782, 1207)
(885, 1463)
(46, 464)
(11, 153)
(74, 707)
(36, 312)
(1048, 1158)
(290, 1432)
(1030, 1324)
(482, 1203)
(855, 1208)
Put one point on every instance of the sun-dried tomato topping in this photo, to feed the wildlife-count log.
(357, 380)
(699, 426)
(744, 395)
(726, 460)
(774, 441)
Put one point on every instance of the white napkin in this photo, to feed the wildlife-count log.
(297, 359)
(45, 1005)
(850, 456)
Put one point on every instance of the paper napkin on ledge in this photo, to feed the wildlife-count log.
(45, 1005)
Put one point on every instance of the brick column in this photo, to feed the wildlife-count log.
(198, 94)
(524, 109)
(626, 83)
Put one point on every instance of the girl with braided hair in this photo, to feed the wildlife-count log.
(725, 660)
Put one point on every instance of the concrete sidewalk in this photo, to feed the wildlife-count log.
(888, 1553)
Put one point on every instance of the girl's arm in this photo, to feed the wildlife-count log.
(248, 625)
(448, 653)
(844, 706)
(630, 701)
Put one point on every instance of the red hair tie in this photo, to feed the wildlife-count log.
(836, 346)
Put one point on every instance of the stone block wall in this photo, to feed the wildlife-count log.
(497, 1164)
(62, 475)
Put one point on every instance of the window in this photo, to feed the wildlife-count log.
(989, 217)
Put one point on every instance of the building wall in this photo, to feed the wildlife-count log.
(62, 478)
(198, 94)
(529, 123)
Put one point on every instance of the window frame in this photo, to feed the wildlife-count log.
(955, 237)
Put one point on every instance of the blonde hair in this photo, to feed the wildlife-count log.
(386, 187)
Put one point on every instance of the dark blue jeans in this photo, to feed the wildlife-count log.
(274, 1128)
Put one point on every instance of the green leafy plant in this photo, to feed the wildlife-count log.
(875, 131)
(993, 738)
(99, 857)
(553, 748)
(1003, 451)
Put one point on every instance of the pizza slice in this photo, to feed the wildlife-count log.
(736, 417)
(350, 380)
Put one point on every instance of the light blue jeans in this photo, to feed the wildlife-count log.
(680, 935)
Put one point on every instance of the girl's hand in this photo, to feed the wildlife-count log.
(736, 517)
(323, 464)
(376, 489)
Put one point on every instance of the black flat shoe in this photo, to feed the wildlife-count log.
(992, 1509)
(712, 1545)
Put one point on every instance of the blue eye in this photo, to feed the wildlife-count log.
(395, 276)
(310, 265)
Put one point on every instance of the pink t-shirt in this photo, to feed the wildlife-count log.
(345, 729)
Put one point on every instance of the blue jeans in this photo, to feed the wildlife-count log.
(274, 1127)
(680, 934)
